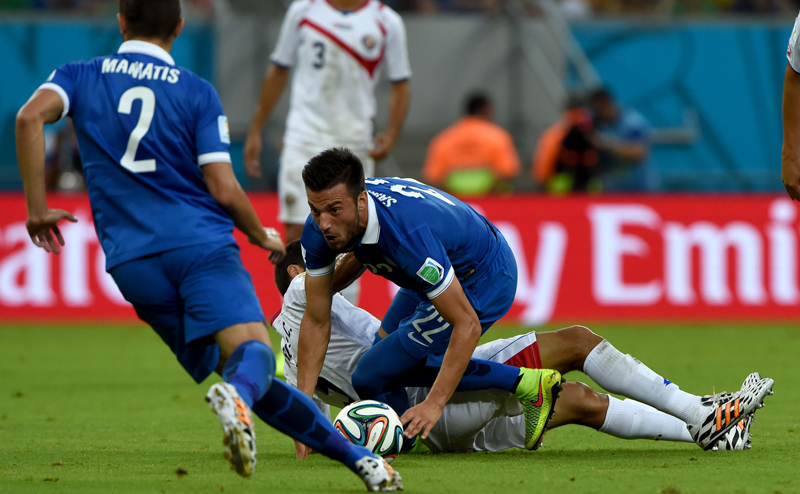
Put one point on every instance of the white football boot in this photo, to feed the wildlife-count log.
(378, 475)
(727, 410)
(239, 435)
(738, 438)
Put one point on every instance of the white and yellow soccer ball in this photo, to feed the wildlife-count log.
(374, 425)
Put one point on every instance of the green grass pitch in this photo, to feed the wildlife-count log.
(108, 409)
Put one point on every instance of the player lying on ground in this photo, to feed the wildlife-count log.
(154, 145)
(491, 420)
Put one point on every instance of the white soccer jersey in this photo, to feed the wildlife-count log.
(489, 420)
(352, 333)
(793, 51)
(335, 57)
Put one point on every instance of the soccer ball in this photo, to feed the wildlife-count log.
(374, 425)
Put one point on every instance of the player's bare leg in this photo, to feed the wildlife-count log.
(581, 405)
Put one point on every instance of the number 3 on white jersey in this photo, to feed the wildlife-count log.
(148, 98)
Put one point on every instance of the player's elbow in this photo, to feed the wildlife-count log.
(27, 118)
(225, 190)
(469, 328)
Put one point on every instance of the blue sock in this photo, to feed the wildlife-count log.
(290, 411)
(485, 374)
(480, 374)
(250, 369)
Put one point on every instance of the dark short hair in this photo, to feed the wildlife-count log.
(602, 95)
(151, 18)
(333, 167)
(477, 103)
(294, 255)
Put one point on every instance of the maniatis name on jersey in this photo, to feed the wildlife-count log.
(140, 70)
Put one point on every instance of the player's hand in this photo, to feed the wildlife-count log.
(252, 154)
(421, 419)
(41, 228)
(790, 173)
(301, 450)
(382, 145)
(271, 241)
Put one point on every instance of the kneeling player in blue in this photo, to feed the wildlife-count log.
(457, 275)
(154, 145)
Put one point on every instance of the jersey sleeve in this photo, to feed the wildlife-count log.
(793, 51)
(320, 260)
(285, 53)
(424, 258)
(212, 134)
(397, 65)
(62, 82)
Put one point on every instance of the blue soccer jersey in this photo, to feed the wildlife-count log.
(417, 236)
(145, 127)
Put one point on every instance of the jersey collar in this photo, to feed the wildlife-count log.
(373, 232)
(145, 48)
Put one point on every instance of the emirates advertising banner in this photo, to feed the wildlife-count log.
(670, 258)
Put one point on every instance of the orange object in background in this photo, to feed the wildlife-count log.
(472, 155)
(549, 148)
(471, 142)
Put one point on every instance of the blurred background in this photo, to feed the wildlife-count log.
(603, 98)
(704, 75)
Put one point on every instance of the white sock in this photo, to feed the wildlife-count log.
(623, 374)
(630, 419)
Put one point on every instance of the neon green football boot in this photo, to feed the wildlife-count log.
(537, 391)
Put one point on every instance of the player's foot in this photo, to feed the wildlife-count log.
(378, 475)
(240, 437)
(738, 438)
(727, 410)
(537, 391)
(749, 382)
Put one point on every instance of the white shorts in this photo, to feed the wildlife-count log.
(291, 190)
(488, 420)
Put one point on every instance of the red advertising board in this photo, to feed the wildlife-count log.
(580, 259)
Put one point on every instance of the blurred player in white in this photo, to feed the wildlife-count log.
(790, 159)
(493, 420)
(336, 49)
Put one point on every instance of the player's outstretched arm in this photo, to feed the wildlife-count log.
(315, 332)
(45, 106)
(271, 90)
(790, 159)
(454, 308)
(225, 188)
(399, 98)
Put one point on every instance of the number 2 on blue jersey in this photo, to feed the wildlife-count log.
(148, 98)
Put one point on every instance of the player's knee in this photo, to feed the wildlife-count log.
(363, 383)
(582, 341)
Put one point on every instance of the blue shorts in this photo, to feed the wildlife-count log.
(413, 322)
(187, 295)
